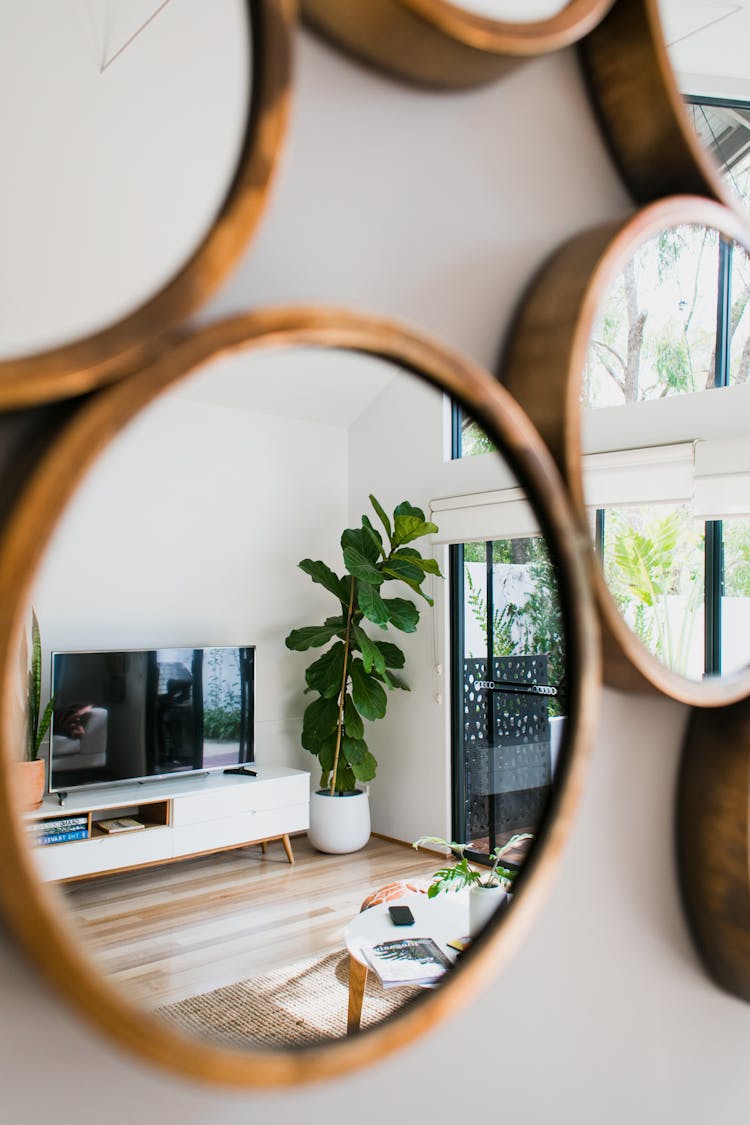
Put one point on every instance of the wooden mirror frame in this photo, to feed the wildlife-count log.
(31, 908)
(438, 44)
(642, 113)
(92, 361)
(542, 366)
(713, 842)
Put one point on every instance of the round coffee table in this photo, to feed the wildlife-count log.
(443, 919)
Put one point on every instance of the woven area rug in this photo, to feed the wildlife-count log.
(301, 1004)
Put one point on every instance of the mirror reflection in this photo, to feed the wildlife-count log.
(294, 632)
(706, 44)
(666, 385)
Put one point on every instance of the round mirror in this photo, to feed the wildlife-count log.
(157, 218)
(671, 83)
(278, 606)
(647, 359)
(448, 45)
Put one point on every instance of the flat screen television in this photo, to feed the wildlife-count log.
(148, 713)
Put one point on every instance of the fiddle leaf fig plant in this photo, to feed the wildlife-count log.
(352, 677)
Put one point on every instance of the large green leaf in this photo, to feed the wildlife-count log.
(366, 768)
(327, 752)
(382, 516)
(353, 749)
(368, 695)
(357, 539)
(392, 654)
(353, 724)
(313, 636)
(371, 604)
(396, 681)
(374, 535)
(319, 720)
(413, 584)
(404, 569)
(326, 674)
(360, 555)
(408, 528)
(407, 509)
(372, 657)
(324, 576)
(402, 614)
(429, 566)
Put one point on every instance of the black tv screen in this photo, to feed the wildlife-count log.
(131, 715)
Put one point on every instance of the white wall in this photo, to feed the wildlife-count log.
(438, 209)
(189, 533)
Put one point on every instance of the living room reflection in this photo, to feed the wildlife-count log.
(218, 893)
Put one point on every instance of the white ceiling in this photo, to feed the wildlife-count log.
(319, 385)
(708, 44)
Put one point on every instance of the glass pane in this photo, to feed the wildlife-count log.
(725, 132)
(654, 568)
(474, 440)
(735, 602)
(513, 691)
(739, 322)
(656, 330)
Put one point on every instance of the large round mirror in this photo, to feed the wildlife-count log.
(289, 635)
(145, 181)
(444, 44)
(647, 362)
(671, 82)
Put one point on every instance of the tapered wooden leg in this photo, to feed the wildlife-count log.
(263, 846)
(288, 848)
(357, 982)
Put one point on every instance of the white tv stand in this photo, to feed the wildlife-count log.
(182, 817)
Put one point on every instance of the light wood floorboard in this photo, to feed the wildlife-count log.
(169, 932)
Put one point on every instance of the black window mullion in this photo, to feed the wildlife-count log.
(457, 642)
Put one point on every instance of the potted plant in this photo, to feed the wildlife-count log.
(488, 887)
(351, 678)
(30, 771)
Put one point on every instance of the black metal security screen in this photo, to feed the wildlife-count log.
(506, 746)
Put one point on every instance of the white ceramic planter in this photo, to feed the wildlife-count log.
(341, 823)
(483, 902)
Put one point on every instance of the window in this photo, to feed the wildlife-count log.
(508, 686)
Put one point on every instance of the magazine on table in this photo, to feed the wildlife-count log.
(411, 960)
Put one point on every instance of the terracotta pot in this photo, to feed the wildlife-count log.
(29, 783)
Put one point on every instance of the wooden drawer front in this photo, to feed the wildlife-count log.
(252, 796)
(108, 853)
(240, 829)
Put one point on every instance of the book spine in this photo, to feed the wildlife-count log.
(63, 824)
(64, 837)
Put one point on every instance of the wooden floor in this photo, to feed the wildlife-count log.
(168, 932)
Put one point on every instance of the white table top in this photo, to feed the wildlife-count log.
(443, 918)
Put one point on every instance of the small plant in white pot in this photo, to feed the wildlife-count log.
(352, 677)
(489, 887)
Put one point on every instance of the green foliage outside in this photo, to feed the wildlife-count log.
(351, 677)
(656, 332)
(221, 716)
(737, 558)
(651, 556)
(532, 627)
